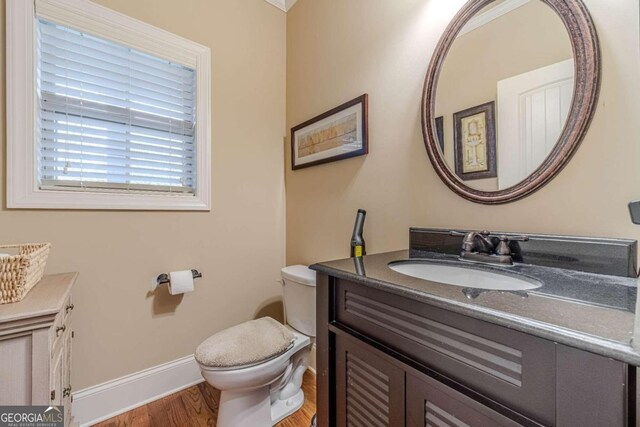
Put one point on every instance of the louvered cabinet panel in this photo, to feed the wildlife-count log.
(369, 389)
(512, 368)
(432, 404)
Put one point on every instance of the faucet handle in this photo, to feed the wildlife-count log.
(522, 238)
(503, 247)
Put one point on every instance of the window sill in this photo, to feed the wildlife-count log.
(71, 200)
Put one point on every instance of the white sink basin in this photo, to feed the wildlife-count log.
(464, 277)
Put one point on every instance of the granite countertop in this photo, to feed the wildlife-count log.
(592, 312)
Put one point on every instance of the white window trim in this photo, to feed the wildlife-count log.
(22, 183)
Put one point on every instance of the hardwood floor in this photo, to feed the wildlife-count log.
(198, 406)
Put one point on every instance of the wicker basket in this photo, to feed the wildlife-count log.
(19, 273)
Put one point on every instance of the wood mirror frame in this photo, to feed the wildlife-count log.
(586, 51)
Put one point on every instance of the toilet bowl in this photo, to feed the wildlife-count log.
(267, 391)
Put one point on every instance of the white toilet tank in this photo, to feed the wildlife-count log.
(300, 298)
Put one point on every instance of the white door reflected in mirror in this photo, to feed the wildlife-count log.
(533, 111)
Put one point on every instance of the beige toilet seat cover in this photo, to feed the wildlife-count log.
(246, 344)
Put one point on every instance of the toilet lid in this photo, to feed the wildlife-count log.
(299, 274)
(247, 344)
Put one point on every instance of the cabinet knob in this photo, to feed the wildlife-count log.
(69, 308)
(60, 329)
(66, 392)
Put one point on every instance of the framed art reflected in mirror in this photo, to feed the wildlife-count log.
(475, 142)
(440, 131)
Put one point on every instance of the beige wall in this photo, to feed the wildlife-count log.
(239, 246)
(340, 49)
(510, 45)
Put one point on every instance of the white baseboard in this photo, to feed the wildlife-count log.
(106, 400)
(103, 401)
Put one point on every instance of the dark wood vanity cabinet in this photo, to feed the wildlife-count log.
(431, 403)
(387, 360)
(370, 389)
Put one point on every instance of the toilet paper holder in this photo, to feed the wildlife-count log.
(163, 279)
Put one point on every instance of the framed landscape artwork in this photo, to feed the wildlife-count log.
(475, 142)
(338, 134)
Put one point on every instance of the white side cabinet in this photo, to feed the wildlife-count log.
(35, 346)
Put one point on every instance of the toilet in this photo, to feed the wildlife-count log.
(258, 365)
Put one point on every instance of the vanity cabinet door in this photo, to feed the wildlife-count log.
(592, 390)
(431, 403)
(66, 368)
(369, 387)
(57, 378)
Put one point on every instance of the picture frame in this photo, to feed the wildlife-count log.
(440, 132)
(475, 142)
(338, 134)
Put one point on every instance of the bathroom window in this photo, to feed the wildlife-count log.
(104, 111)
(111, 117)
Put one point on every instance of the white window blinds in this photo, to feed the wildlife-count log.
(111, 118)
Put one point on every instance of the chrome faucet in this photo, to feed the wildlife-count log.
(482, 246)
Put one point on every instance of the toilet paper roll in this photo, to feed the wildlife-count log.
(181, 282)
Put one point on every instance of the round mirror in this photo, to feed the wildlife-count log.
(509, 95)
